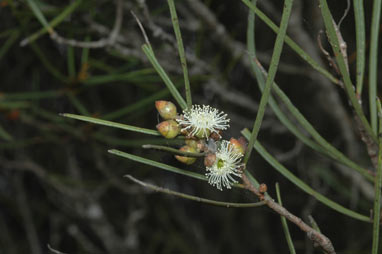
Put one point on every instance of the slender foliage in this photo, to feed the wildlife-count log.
(291, 43)
(56, 21)
(183, 62)
(377, 187)
(157, 164)
(272, 73)
(171, 87)
(327, 148)
(111, 124)
(359, 16)
(373, 62)
(342, 65)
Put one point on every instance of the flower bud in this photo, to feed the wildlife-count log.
(184, 159)
(166, 109)
(203, 133)
(237, 145)
(192, 142)
(168, 129)
(210, 159)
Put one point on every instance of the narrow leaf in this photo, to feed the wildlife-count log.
(178, 35)
(111, 124)
(271, 76)
(171, 87)
(158, 164)
(378, 185)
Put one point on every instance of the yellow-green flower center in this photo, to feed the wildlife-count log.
(220, 163)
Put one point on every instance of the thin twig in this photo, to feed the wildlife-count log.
(142, 29)
(195, 198)
(312, 234)
(110, 40)
(54, 251)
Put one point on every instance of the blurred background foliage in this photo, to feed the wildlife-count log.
(59, 186)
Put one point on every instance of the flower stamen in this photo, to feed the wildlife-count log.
(202, 121)
(227, 165)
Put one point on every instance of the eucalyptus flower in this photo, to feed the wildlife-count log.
(201, 121)
(226, 165)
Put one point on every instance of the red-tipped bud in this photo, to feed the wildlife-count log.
(168, 129)
(184, 159)
(237, 145)
(210, 159)
(166, 109)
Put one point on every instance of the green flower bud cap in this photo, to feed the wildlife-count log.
(192, 142)
(184, 159)
(169, 129)
(166, 109)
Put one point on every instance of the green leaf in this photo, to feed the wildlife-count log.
(291, 43)
(175, 23)
(171, 87)
(359, 17)
(38, 13)
(261, 83)
(328, 149)
(111, 124)
(56, 21)
(373, 62)
(158, 164)
(378, 185)
(271, 76)
(342, 65)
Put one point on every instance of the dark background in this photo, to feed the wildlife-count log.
(58, 184)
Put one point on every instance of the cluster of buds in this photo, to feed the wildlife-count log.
(169, 128)
(202, 126)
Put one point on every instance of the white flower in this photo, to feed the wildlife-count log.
(226, 165)
(202, 121)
